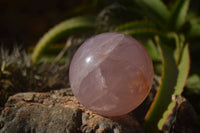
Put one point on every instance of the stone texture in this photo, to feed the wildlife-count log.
(39, 112)
(58, 112)
(183, 119)
(114, 70)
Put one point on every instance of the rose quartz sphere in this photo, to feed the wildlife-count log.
(111, 74)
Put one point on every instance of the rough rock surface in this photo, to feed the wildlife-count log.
(58, 112)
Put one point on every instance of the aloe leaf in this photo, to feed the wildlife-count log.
(183, 70)
(138, 29)
(74, 25)
(135, 25)
(194, 31)
(153, 51)
(180, 47)
(163, 96)
(178, 15)
(178, 41)
(155, 10)
(53, 49)
(193, 83)
(146, 32)
(172, 82)
(51, 59)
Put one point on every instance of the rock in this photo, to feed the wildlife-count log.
(183, 118)
(95, 123)
(58, 111)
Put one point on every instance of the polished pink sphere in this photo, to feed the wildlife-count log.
(111, 74)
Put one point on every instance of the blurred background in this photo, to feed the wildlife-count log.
(23, 22)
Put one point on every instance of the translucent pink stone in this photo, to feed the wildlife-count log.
(111, 74)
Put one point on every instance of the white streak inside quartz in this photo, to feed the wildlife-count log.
(88, 56)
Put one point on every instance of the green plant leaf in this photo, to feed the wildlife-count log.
(163, 96)
(51, 59)
(53, 49)
(143, 32)
(153, 51)
(155, 10)
(70, 26)
(193, 83)
(135, 25)
(194, 31)
(139, 29)
(178, 15)
(178, 41)
(183, 70)
(172, 82)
